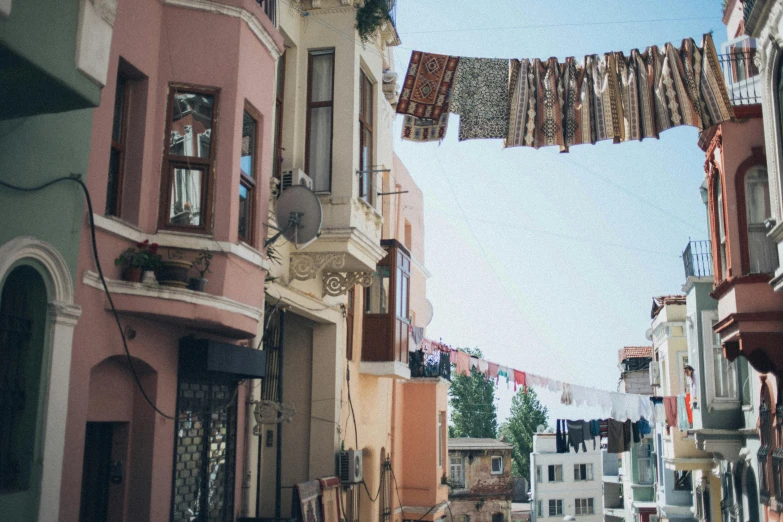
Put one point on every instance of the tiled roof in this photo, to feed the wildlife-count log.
(663, 300)
(631, 352)
(467, 443)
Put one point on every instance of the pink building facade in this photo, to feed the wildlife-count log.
(181, 156)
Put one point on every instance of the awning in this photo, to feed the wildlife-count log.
(208, 357)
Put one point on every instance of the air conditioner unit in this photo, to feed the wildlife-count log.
(295, 177)
(349, 466)
(655, 374)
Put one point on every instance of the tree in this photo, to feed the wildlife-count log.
(527, 414)
(473, 409)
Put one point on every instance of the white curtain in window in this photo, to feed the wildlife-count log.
(762, 251)
(320, 147)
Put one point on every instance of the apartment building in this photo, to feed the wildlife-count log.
(480, 484)
(565, 484)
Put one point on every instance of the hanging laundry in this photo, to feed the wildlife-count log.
(637, 437)
(615, 436)
(492, 370)
(576, 435)
(682, 414)
(417, 335)
(427, 84)
(688, 408)
(480, 97)
(561, 442)
(483, 367)
(453, 356)
(473, 363)
(645, 407)
(504, 371)
(618, 406)
(586, 434)
(604, 427)
(670, 405)
(566, 398)
(424, 129)
(659, 411)
(644, 427)
(554, 385)
(627, 434)
(463, 363)
(520, 379)
(581, 395)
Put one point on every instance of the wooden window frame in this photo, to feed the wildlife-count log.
(119, 146)
(350, 308)
(756, 160)
(366, 185)
(716, 181)
(170, 162)
(250, 182)
(277, 165)
(315, 105)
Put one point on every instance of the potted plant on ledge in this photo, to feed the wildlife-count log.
(174, 270)
(201, 264)
(139, 260)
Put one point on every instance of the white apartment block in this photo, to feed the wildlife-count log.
(565, 484)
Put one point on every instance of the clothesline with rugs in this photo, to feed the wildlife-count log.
(620, 406)
(538, 103)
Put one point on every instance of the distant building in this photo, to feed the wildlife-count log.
(480, 484)
(565, 483)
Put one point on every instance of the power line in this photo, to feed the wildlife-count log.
(572, 24)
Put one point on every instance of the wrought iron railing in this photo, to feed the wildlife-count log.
(424, 365)
(747, 8)
(270, 9)
(697, 259)
(740, 73)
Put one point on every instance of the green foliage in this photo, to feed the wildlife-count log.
(527, 414)
(473, 409)
(371, 16)
(144, 255)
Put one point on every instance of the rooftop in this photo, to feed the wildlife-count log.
(467, 443)
(635, 352)
(663, 300)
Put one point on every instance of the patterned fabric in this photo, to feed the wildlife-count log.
(480, 97)
(330, 499)
(422, 129)
(614, 97)
(309, 493)
(427, 85)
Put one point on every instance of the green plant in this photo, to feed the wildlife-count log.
(202, 262)
(371, 16)
(144, 255)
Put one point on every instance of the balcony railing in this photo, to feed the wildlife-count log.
(270, 9)
(740, 72)
(697, 259)
(747, 8)
(424, 365)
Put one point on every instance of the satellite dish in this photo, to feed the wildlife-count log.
(648, 334)
(299, 216)
(428, 311)
(541, 428)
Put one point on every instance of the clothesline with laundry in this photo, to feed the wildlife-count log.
(538, 103)
(618, 405)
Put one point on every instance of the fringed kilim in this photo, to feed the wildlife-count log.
(427, 85)
(421, 129)
(309, 493)
(330, 499)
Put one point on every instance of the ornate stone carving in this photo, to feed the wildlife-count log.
(346, 2)
(271, 412)
(306, 266)
(338, 283)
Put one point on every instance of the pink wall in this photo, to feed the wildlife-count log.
(188, 46)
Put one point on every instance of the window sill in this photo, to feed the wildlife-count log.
(723, 404)
(364, 202)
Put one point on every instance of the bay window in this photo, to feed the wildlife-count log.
(724, 372)
(366, 185)
(189, 159)
(762, 253)
(320, 108)
(247, 174)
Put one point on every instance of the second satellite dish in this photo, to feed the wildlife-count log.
(299, 216)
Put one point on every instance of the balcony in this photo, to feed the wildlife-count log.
(270, 9)
(740, 72)
(697, 259)
(423, 365)
(386, 335)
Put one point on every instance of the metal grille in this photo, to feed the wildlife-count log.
(747, 8)
(15, 335)
(385, 491)
(697, 259)
(205, 452)
(765, 428)
(741, 74)
(271, 343)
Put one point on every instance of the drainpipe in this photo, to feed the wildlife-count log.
(279, 456)
(247, 470)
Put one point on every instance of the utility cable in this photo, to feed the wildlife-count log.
(397, 488)
(350, 402)
(76, 178)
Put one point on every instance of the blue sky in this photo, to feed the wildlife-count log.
(548, 262)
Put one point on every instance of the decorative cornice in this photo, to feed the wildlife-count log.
(724, 286)
(338, 283)
(329, 10)
(304, 266)
(252, 21)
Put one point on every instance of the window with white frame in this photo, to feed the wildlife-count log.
(584, 506)
(497, 465)
(555, 473)
(538, 474)
(320, 105)
(583, 472)
(721, 375)
(555, 507)
(456, 472)
(762, 253)
(540, 508)
(644, 462)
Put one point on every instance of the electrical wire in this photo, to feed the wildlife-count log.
(380, 485)
(397, 488)
(76, 178)
(350, 402)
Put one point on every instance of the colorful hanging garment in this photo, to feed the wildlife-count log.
(716, 102)
(504, 371)
(463, 363)
(330, 499)
(576, 435)
(423, 129)
(689, 408)
(670, 405)
(492, 371)
(520, 379)
(427, 85)
(309, 502)
(483, 367)
(682, 414)
(453, 356)
(480, 97)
